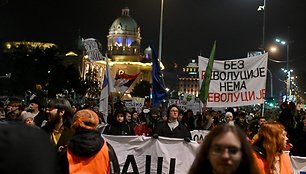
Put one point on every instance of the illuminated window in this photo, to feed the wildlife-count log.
(129, 41)
(118, 41)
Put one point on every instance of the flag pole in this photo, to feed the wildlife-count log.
(111, 95)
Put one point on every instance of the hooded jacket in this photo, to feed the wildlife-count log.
(88, 152)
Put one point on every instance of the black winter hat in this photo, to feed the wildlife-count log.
(34, 100)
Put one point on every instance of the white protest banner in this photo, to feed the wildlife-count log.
(194, 106)
(146, 155)
(298, 164)
(199, 135)
(136, 103)
(180, 103)
(184, 105)
(236, 82)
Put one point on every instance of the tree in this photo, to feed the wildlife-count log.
(141, 89)
(91, 85)
(29, 65)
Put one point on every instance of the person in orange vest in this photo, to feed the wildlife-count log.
(269, 154)
(87, 151)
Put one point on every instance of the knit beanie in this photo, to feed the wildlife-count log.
(85, 119)
(25, 115)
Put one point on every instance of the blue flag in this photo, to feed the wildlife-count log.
(158, 92)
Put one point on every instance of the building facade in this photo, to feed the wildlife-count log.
(123, 50)
(189, 79)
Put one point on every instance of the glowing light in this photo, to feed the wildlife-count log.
(273, 49)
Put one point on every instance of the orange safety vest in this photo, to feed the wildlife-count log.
(284, 160)
(97, 164)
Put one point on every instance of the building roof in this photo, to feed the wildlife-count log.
(125, 23)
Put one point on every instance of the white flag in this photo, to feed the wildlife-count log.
(107, 88)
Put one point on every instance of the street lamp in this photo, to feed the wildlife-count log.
(263, 8)
(161, 30)
(288, 71)
(273, 49)
(287, 47)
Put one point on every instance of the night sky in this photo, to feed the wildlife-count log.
(189, 28)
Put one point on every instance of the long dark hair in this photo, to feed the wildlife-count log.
(61, 104)
(202, 164)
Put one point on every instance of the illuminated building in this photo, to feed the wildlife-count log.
(189, 79)
(123, 48)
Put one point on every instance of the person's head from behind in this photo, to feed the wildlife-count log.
(273, 138)
(59, 110)
(225, 150)
(25, 149)
(85, 119)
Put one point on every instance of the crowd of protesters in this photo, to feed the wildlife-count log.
(57, 116)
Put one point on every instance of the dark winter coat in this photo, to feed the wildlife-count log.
(162, 129)
(39, 118)
(118, 129)
(299, 141)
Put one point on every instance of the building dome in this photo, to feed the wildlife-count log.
(124, 24)
(124, 38)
